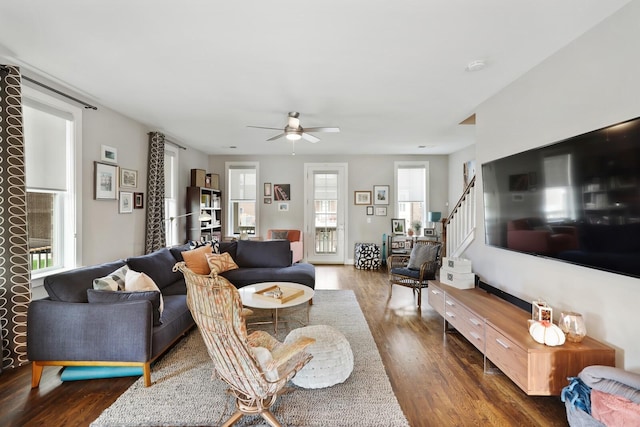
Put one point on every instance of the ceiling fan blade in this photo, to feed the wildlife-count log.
(263, 127)
(322, 129)
(273, 138)
(310, 138)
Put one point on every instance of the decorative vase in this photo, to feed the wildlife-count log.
(410, 232)
(572, 324)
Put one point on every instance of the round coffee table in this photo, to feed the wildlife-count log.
(249, 298)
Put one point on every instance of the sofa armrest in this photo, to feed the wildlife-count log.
(89, 332)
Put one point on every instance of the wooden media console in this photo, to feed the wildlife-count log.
(500, 331)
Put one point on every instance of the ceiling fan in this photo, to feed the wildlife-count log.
(293, 131)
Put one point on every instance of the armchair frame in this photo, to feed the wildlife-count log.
(399, 273)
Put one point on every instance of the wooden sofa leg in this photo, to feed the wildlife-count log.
(36, 374)
(146, 373)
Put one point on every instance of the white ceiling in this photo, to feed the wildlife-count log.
(390, 74)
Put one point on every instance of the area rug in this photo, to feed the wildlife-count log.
(184, 394)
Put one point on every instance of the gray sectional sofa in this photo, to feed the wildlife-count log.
(66, 329)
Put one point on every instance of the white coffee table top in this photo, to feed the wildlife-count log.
(246, 293)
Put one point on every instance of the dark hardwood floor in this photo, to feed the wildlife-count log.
(438, 379)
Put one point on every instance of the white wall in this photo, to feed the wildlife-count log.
(591, 83)
(364, 172)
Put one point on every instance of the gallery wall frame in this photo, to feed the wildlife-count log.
(108, 154)
(126, 202)
(267, 189)
(362, 197)
(128, 178)
(282, 192)
(381, 211)
(283, 207)
(380, 194)
(105, 181)
(369, 210)
(138, 200)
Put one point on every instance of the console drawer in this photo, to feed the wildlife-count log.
(466, 322)
(510, 358)
(436, 299)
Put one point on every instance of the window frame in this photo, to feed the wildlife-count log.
(396, 204)
(72, 228)
(229, 205)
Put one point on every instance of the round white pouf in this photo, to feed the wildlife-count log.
(332, 361)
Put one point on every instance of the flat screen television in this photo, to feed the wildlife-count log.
(577, 200)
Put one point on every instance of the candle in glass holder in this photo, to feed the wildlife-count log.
(572, 324)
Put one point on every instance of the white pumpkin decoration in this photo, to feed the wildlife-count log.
(547, 333)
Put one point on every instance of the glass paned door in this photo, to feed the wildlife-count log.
(325, 195)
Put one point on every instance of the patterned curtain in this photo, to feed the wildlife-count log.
(15, 292)
(155, 238)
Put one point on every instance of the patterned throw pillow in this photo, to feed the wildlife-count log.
(196, 259)
(113, 281)
(221, 262)
(421, 254)
(279, 235)
(135, 281)
(215, 246)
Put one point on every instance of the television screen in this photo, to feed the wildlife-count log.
(577, 200)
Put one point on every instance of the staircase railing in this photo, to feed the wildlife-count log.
(458, 229)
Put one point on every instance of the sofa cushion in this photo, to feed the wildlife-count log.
(177, 250)
(158, 265)
(72, 285)
(270, 253)
(113, 281)
(302, 273)
(230, 247)
(196, 259)
(112, 297)
(221, 262)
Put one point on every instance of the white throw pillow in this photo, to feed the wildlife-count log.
(265, 359)
(135, 281)
(113, 281)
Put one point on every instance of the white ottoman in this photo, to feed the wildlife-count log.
(332, 361)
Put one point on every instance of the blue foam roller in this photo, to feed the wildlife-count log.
(75, 373)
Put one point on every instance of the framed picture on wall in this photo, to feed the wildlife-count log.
(369, 210)
(138, 200)
(105, 180)
(380, 194)
(381, 211)
(362, 197)
(128, 178)
(108, 154)
(267, 189)
(126, 202)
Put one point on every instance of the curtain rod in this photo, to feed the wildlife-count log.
(174, 143)
(4, 70)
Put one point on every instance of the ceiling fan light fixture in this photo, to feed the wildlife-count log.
(293, 136)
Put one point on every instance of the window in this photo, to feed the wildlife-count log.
(411, 191)
(52, 135)
(242, 209)
(171, 193)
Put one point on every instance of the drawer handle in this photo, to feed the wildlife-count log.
(451, 303)
(474, 321)
(505, 345)
(450, 314)
(433, 291)
(476, 336)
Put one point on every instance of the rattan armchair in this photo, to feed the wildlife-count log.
(400, 274)
(216, 307)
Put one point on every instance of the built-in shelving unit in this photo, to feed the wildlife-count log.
(201, 200)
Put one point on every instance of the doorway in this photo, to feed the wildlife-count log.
(325, 192)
